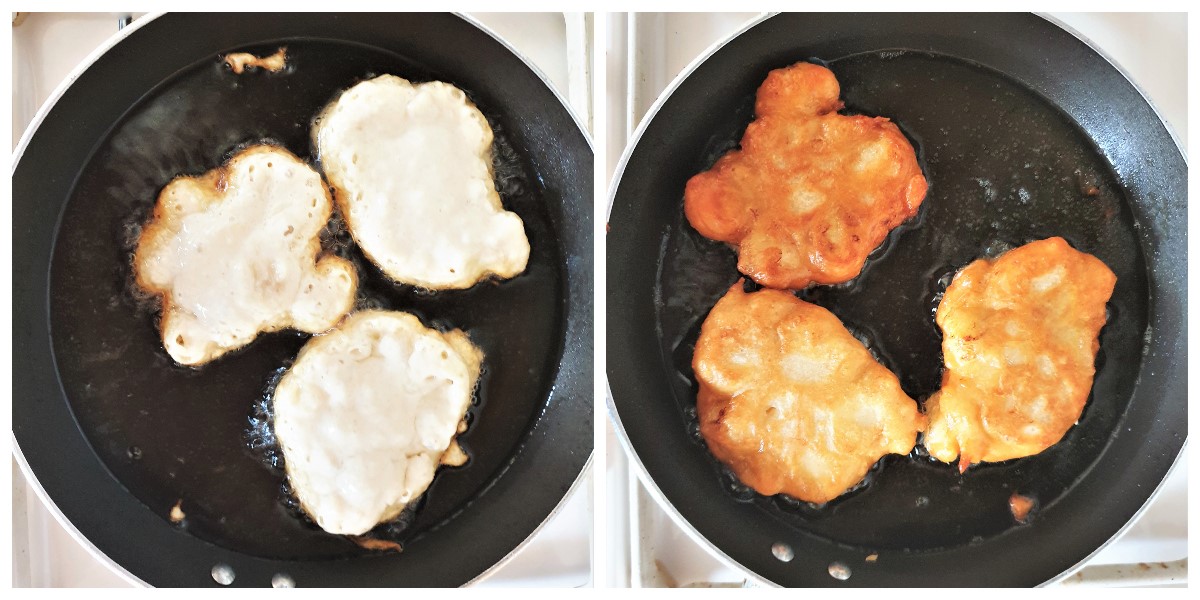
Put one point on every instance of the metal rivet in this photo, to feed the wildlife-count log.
(839, 571)
(282, 580)
(222, 574)
(782, 551)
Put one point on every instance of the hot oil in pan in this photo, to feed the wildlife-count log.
(1005, 167)
(189, 426)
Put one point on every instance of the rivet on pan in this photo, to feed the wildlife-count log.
(282, 580)
(222, 574)
(782, 551)
(839, 571)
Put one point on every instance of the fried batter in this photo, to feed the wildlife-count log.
(811, 192)
(237, 252)
(791, 401)
(1020, 335)
(411, 170)
(367, 413)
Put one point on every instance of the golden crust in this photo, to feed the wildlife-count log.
(1020, 335)
(811, 192)
(791, 401)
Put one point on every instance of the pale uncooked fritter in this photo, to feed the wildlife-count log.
(791, 401)
(411, 167)
(1019, 336)
(234, 253)
(366, 413)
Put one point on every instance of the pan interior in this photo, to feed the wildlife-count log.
(1005, 167)
(172, 434)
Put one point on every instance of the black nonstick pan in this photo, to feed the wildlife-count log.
(117, 434)
(1024, 132)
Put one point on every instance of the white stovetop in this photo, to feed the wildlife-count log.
(646, 547)
(46, 47)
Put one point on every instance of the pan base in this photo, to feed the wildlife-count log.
(189, 426)
(1005, 167)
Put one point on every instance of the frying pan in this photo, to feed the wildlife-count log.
(1024, 132)
(116, 434)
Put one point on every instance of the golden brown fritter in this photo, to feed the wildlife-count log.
(1020, 335)
(791, 401)
(811, 192)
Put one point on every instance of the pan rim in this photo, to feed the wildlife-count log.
(643, 474)
(626, 445)
(1125, 74)
(587, 465)
(66, 524)
(27, 136)
(19, 153)
(70, 80)
(129, 577)
(124, 32)
(579, 124)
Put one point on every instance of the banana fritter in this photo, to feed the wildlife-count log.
(236, 252)
(793, 402)
(1020, 335)
(411, 169)
(811, 192)
(368, 411)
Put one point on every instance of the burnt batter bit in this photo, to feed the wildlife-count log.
(240, 61)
